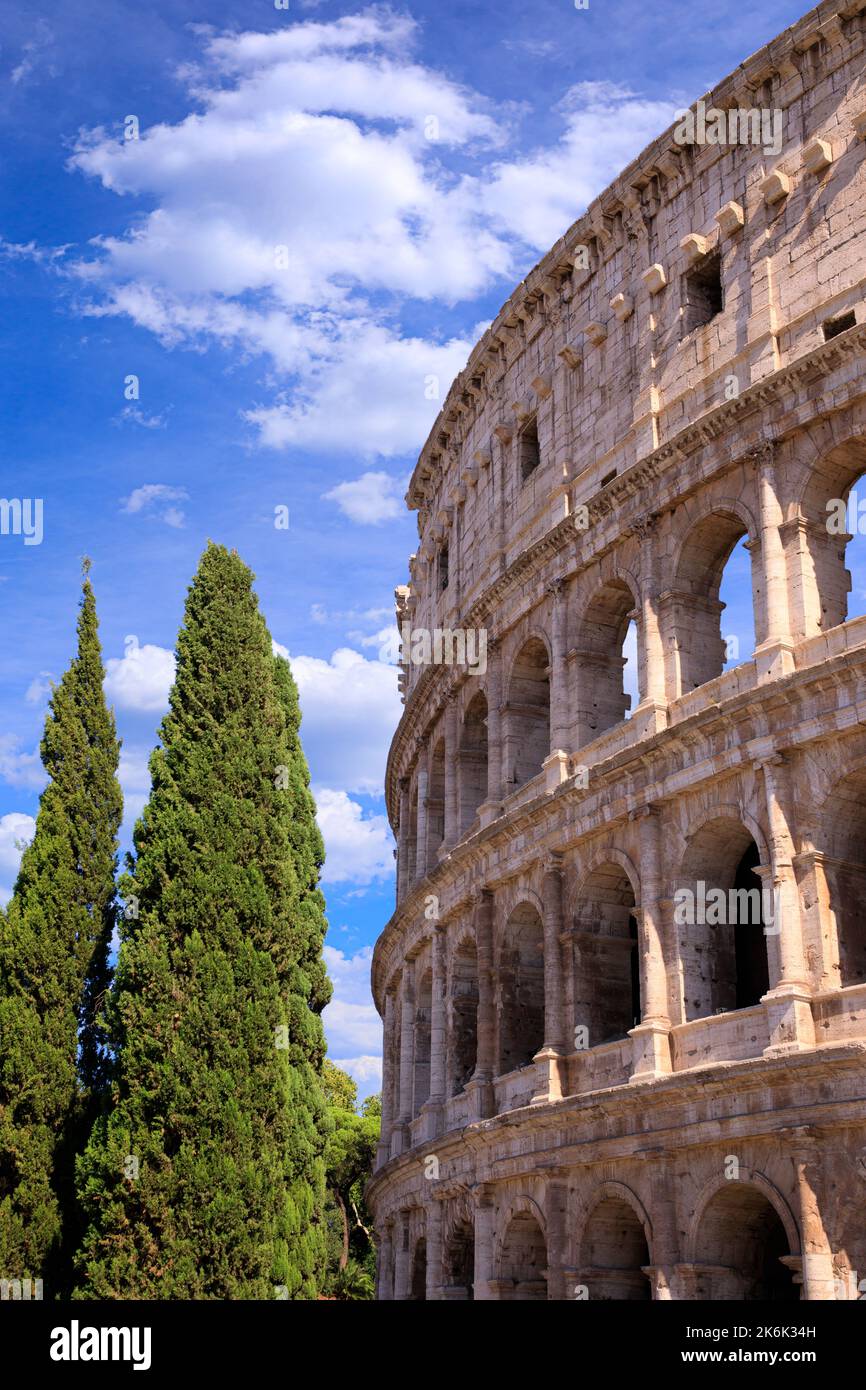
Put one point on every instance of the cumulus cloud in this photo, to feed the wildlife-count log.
(18, 768)
(351, 1021)
(16, 831)
(141, 679)
(155, 500)
(39, 688)
(134, 776)
(339, 697)
(369, 500)
(358, 849)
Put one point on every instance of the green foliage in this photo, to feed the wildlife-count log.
(349, 1158)
(204, 1177)
(54, 944)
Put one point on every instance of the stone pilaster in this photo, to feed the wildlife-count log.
(485, 1233)
(556, 763)
(552, 1055)
(421, 838)
(651, 1037)
(407, 1051)
(480, 1087)
(389, 1076)
(492, 807)
(452, 812)
(403, 841)
(788, 1002)
(774, 655)
(438, 1035)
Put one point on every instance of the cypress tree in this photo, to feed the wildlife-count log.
(203, 1178)
(54, 948)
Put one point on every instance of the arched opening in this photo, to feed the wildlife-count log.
(845, 867)
(601, 661)
(521, 989)
(463, 1033)
(419, 1272)
(423, 1014)
(722, 913)
(460, 1262)
(709, 560)
(436, 802)
(527, 720)
(834, 511)
(606, 962)
(741, 1244)
(522, 1271)
(473, 761)
(614, 1253)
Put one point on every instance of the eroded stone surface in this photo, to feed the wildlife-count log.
(584, 1095)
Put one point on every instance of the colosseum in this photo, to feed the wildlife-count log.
(624, 986)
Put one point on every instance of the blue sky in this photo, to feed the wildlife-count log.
(323, 207)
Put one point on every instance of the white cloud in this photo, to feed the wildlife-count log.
(367, 1071)
(18, 768)
(370, 499)
(142, 678)
(358, 849)
(16, 830)
(134, 776)
(279, 650)
(351, 1022)
(39, 688)
(153, 499)
(339, 697)
(248, 244)
(136, 416)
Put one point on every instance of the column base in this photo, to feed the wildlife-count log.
(652, 1050)
(552, 1076)
(481, 1099)
(555, 767)
(790, 1022)
(649, 717)
(488, 812)
(773, 660)
(433, 1112)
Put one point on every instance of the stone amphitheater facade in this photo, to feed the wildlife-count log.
(588, 1091)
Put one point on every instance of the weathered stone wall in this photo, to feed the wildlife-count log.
(586, 1095)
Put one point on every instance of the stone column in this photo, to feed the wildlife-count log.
(665, 1244)
(435, 1216)
(556, 763)
(402, 1258)
(553, 1081)
(383, 1149)
(407, 1051)
(452, 816)
(423, 783)
(434, 1109)
(556, 1214)
(788, 1002)
(492, 807)
(653, 705)
(817, 1257)
(774, 655)
(403, 841)
(480, 1086)
(385, 1267)
(651, 1037)
(485, 1217)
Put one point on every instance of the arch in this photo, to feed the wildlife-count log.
(842, 839)
(606, 972)
(601, 633)
(720, 912)
(472, 760)
(459, 1258)
(694, 605)
(423, 1019)
(521, 1254)
(527, 714)
(462, 1047)
(521, 988)
(830, 546)
(744, 1242)
(615, 1246)
(621, 1192)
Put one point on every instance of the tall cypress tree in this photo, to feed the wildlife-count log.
(203, 1178)
(54, 946)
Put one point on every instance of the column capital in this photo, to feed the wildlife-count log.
(553, 862)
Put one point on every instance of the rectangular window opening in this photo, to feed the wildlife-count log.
(443, 568)
(703, 295)
(833, 327)
(530, 454)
